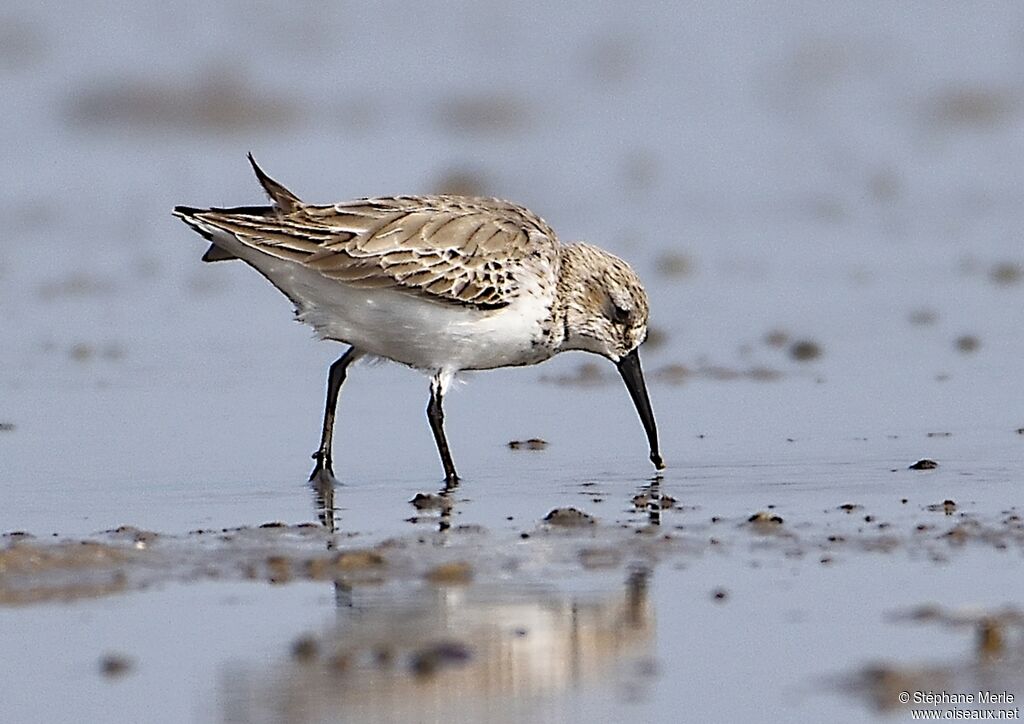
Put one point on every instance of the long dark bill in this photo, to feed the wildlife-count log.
(633, 376)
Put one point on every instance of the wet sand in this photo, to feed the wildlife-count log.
(624, 599)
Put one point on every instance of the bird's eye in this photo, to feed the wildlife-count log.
(619, 315)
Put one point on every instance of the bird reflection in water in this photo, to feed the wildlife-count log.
(327, 513)
(443, 502)
(505, 652)
(323, 500)
(649, 498)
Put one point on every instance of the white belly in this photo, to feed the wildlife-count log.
(410, 329)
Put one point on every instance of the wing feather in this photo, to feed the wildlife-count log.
(451, 249)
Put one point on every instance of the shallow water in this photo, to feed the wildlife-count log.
(846, 177)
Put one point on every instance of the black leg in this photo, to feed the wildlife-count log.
(435, 413)
(324, 469)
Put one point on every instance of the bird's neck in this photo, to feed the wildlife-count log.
(571, 291)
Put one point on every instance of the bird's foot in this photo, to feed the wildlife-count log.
(323, 471)
(451, 481)
(323, 478)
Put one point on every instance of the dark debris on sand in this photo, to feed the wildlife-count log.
(534, 443)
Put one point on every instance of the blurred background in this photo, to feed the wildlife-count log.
(825, 201)
(823, 190)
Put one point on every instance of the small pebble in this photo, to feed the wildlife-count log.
(431, 501)
(967, 343)
(804, 350)
(115, 665)
(305, 649)
(569, 517)
(1007, 272)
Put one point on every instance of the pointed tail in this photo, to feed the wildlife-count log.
(188, 215)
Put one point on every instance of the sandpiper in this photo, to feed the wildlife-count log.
(439, 283)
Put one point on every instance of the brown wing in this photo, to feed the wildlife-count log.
(454, 249)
